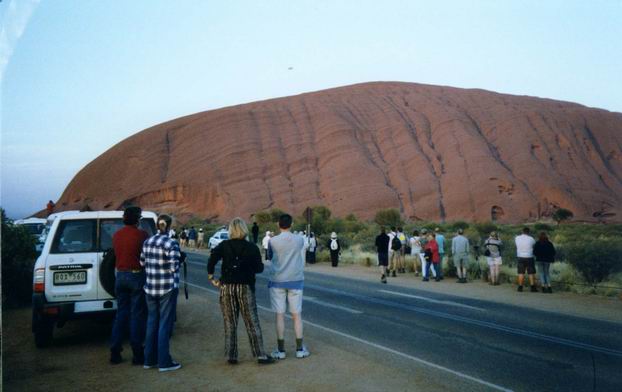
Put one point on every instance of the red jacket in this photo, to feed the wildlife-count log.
(128, 243)
(433, 247)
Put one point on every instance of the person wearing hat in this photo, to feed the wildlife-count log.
(460, 253)
(200, 238)
(127, 243)
(335, 249)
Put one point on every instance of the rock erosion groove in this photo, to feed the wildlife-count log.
(432, 152)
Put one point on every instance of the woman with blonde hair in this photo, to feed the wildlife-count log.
(241, 260)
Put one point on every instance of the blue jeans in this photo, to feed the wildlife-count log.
(439, 266)
(159, 325)
(545, 278)
(132, 309)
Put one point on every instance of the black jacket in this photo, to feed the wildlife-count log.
(241, 260)
(544, 251)
(382, 243)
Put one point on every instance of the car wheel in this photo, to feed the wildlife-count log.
(43, 329)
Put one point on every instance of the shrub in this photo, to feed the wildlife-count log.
(562, 214)
(18, 257)
(458, 225)
(595, 260)
(538, 227)
(485, 228)
(389, 217)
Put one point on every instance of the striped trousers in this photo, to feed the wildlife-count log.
(236, 299)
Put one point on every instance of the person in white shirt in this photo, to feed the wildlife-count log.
(264, 244)
(416, 251)
(393, 254)
(524, 255)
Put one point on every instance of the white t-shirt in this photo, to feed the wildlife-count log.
(415, 245)
(524, 246)
(391, 236)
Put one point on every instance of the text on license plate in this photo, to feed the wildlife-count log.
(69, 277)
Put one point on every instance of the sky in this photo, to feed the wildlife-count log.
(77, 77)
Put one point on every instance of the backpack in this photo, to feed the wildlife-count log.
(396, 244)
(334, 245)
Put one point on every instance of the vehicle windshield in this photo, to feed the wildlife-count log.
(34, 228)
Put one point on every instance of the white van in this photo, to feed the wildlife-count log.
(66, 282)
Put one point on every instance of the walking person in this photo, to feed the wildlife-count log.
(460, 253)
(286, 285)
(524, 254)
(160, 257)
(401, 261)
(241, 261)
(432, 256)
(492, 251)
(335, 249)
(255, 231)
(127, 243)
(200, 238)
(382, 247)
(264, 244)
(416, 252)
(440, 240)
(544, 252)
(311, 249)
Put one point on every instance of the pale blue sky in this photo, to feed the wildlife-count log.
(85, 75)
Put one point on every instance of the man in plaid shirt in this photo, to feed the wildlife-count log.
(160, 257)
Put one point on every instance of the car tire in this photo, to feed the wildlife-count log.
(43, 330)
(107, 276)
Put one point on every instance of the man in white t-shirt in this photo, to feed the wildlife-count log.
(524, 254)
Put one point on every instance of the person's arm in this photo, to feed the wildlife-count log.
(174, 256)
(453, 246)
(256, 260)
(214, 257)
(142, 257)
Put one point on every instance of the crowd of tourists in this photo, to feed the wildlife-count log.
(147, 285)
(427, 252)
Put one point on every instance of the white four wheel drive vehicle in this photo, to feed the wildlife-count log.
(36, 227)
(66, 282)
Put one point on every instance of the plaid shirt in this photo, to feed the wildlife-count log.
(160, 257)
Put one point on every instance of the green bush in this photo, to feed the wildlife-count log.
(485, 228)
(595, 260)
(18, 257)
(389, 217)
(562, 214)
(538, 227)
(453, 227)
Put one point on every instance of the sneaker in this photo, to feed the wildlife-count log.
(115, 357)
(550, 291)
(416, 273)
(173, 366)
(276, 354)
(265, 360)
(149, 366)
(534, 289)
(520, 289)
(232, 361)
(383, 279)
(302, 353)
(394, 274)
(438, 279)
(425, 280)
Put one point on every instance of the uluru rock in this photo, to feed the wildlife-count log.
(434, 153)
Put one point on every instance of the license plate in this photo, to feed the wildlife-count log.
(69, 277)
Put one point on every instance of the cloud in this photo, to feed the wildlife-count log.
(14, 22)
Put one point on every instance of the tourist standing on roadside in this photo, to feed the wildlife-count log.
(192, 237)
(127, 243)
(460, 253)
(402, 255)
(264, 244)
(335, 249)
(425, 263)
(200, 238)
(544, 251)
(183, 237)
(394, 253)
(440, 240)
(255, 231)
(286, 285)
(311, 249)
(432, 257)
(172, 233)
(524, 254)
(416, 251)
(160, 257)
(382, 247)
(241, 261)
(492, 251)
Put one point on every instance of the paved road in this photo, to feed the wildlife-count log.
(478, 343)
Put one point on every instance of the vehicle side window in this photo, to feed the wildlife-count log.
(148, 225)
(74, 236)
(107, 228)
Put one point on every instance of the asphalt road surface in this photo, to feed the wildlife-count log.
(477, 343)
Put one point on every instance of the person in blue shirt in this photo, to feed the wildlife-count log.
(440, 240)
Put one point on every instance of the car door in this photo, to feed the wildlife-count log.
(71, 273)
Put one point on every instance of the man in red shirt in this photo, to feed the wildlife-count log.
(127, 243)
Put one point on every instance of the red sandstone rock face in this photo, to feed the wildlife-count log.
(434, 153)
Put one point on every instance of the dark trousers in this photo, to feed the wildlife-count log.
(311, 257)
(334, 257)
(236, 299)
(161, 313)
(131, 310)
